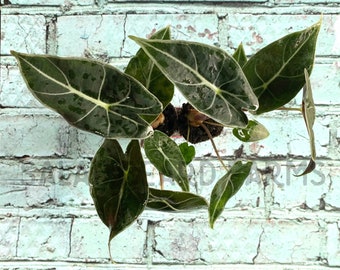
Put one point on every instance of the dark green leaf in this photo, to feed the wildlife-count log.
(254, 131)
(90, 95)
(166, 156)
(240, 56)
(142, 68)
(226, 187)
(118, 185)
(276, 72)
(188, 152)
(308, 111)
(168, 200)
(210, 79)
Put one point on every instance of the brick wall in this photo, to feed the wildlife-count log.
(277, 221)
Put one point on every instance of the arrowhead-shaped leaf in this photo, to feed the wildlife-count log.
(188, 152)
(166, 156)
(168, 200)
(254, 131)
(308, 111)
(118, 185)
(142, 68)
(210, 79)
(90, 95)
(276, 72)
(240, 56)
(226, 187)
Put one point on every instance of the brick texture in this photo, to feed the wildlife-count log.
(276, 221)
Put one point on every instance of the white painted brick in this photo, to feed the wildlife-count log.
(88, 143)
(23, 33)
(179, 1)
(200, 28)
(284, 139)
(38, 2)
(291, 242)
(52, 2)
(102, 34)
(325, 84)
(69, 184)
(238, 241)
(66, 185)
(87, 238)
(256, 31)
(242, 237)
(332, 197)
(291, 191)
(90, 238)
(73, 195)
(231, 241)
(44, 238)
(305, 1)
(46, 182)
(8, 237)
(33, 134)
(325, 80)
(175, 241)
(333, 244)
(30, 196)
(288, 191)
(299, 140)
(14, 92)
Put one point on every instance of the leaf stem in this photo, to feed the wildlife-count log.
(161, 180)
(112, 261)
(289, 109)
(213, 124)
(214, 145)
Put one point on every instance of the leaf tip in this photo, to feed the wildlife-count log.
(135, 39)
(318, 24)
(14, 53)
(310, 167)
(168, 27)
(132, 37)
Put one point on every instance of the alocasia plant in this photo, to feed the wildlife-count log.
(222, 90)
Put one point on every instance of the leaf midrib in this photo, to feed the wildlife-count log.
(284, 63)
(179, 176)
(225, 187)
(205, 82)
(72, 90)
(96, 102)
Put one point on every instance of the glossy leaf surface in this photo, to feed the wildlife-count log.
(276, 72)
(254, 131)
(240, 55)
(90, 95)
(308, 111)
(166, 156)
(168, 200)
(118, 185)
(210, 79)
(226, 187)
(188, 152)
(142, 68)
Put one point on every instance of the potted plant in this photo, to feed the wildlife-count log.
(222, 91)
